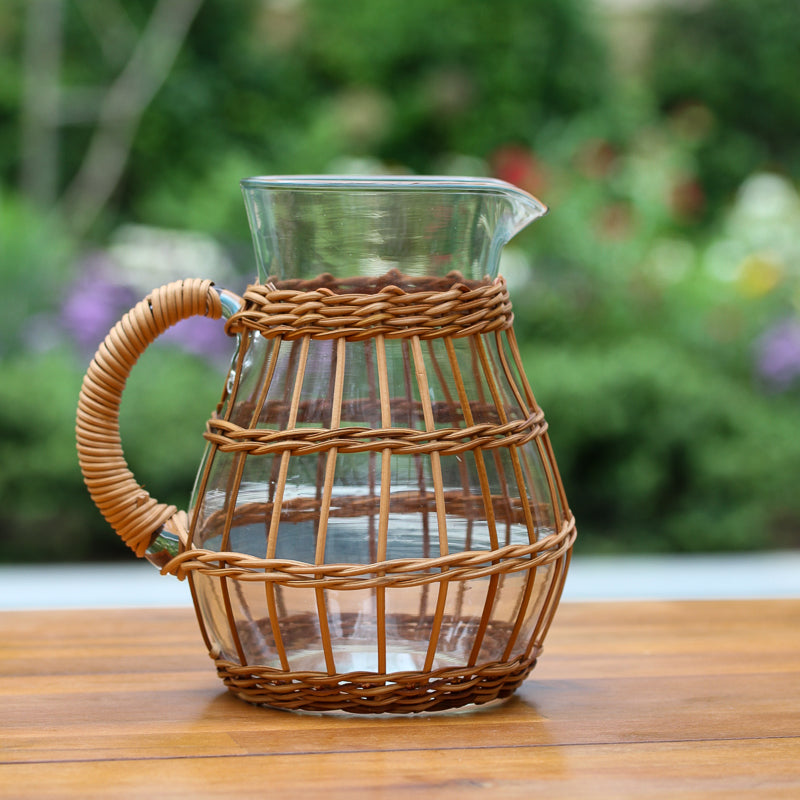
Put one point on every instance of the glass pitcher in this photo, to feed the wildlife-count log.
(378, 523)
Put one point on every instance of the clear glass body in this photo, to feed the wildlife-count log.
(364, 508)
(306, 226)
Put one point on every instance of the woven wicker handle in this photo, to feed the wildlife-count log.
(128, 508)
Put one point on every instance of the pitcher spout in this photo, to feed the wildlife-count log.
(524, 208)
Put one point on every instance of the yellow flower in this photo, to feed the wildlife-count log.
(759, 274)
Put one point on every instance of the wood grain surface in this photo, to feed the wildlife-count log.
(640, 700)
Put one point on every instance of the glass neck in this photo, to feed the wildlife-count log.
(349, 227)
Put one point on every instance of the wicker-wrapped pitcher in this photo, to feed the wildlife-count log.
(378, 523)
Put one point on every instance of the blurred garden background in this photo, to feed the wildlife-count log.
(657, 305)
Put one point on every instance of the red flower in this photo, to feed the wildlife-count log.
(615, 221)
(518, 165)
(687, 199)
(596, 159)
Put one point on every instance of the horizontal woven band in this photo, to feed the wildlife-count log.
(372, 693)
(402, 572)
(230, 437)
(464, 308)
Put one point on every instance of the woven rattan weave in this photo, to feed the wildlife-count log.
(253, 631)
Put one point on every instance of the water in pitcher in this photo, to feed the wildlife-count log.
(286, 619)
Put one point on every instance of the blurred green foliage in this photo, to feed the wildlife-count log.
(732, 68)
(664, 452)
(657, 306)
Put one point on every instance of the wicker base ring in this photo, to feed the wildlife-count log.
(375, 693)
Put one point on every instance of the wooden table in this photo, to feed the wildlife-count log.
(640, 700)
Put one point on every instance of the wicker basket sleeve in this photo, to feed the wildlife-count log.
(125, 504)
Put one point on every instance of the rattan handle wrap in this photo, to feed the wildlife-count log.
(128, 508)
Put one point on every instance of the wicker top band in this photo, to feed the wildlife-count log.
(453, 307)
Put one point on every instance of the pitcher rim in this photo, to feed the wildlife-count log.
(393, 182)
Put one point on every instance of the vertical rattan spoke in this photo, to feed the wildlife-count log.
(283, 407)
(559, 576)
(483, 477)
(386, 492)
(438, 493)
(274, 356)
(373, 403)
(486, 495)
(523, 498)
(523, 601)
(524, 404)
(422, 485)
(325, 507)
(267, 371)
(551, 461)
(553, 473)
(280, 486)
(477, 373)
(545, 460)
(325, 411)
(232, 394)
(454, 420)
(556, 488)
(552, 482)
(512, 451)
(517, 358)
(559, 504)
(272, 537)
(230, 500)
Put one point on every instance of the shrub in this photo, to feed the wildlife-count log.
(733, 65)
(47, 514)
(660, 451)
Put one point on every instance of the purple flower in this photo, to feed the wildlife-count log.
(94, 303)
(202, 337)
(98, 299)
(778, 357)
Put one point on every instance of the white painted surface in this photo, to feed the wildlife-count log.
(684, 577)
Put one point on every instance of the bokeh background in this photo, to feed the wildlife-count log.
(657, 305)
